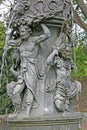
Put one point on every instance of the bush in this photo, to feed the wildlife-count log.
(81, 61)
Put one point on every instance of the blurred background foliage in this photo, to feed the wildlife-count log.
(5, 102)
(81, 61)
(2, 35)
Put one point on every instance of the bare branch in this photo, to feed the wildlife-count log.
(10, 2)
(5, 4)
(79, 21)
(4, 7)
(83, 7)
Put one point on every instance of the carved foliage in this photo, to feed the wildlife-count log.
(29, 11)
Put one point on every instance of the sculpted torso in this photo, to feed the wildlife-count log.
(29, 48)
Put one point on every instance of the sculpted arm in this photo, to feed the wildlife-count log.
(45, 36)
(50, 59)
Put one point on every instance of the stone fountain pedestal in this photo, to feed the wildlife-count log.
(37, 78)
(57, 122)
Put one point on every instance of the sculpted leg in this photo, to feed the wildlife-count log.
(60, 98)
(29, 101)
(14, 91)
(60, 105)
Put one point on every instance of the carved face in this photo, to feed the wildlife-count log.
(39, 6)
(52, 5)
(18, 9)
(24, 31)
(59, 62)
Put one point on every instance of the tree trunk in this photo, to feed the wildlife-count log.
(78, 20)
(83, 7)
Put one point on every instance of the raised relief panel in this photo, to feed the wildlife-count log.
(42, 64)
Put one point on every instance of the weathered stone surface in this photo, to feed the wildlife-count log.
(60, 122)
(40, 32)
(42, 94)
(3, 123)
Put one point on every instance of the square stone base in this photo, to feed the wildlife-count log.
(59, 122)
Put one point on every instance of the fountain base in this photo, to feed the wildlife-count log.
(58, 122)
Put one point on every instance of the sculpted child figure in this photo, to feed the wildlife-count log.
(64, 89)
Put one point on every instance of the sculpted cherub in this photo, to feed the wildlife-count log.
(64, 90)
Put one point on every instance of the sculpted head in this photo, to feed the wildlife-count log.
(18, 9)
(21, 6)
(24, 31)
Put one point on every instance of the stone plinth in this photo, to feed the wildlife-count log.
(59, 122)
(3, 124)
